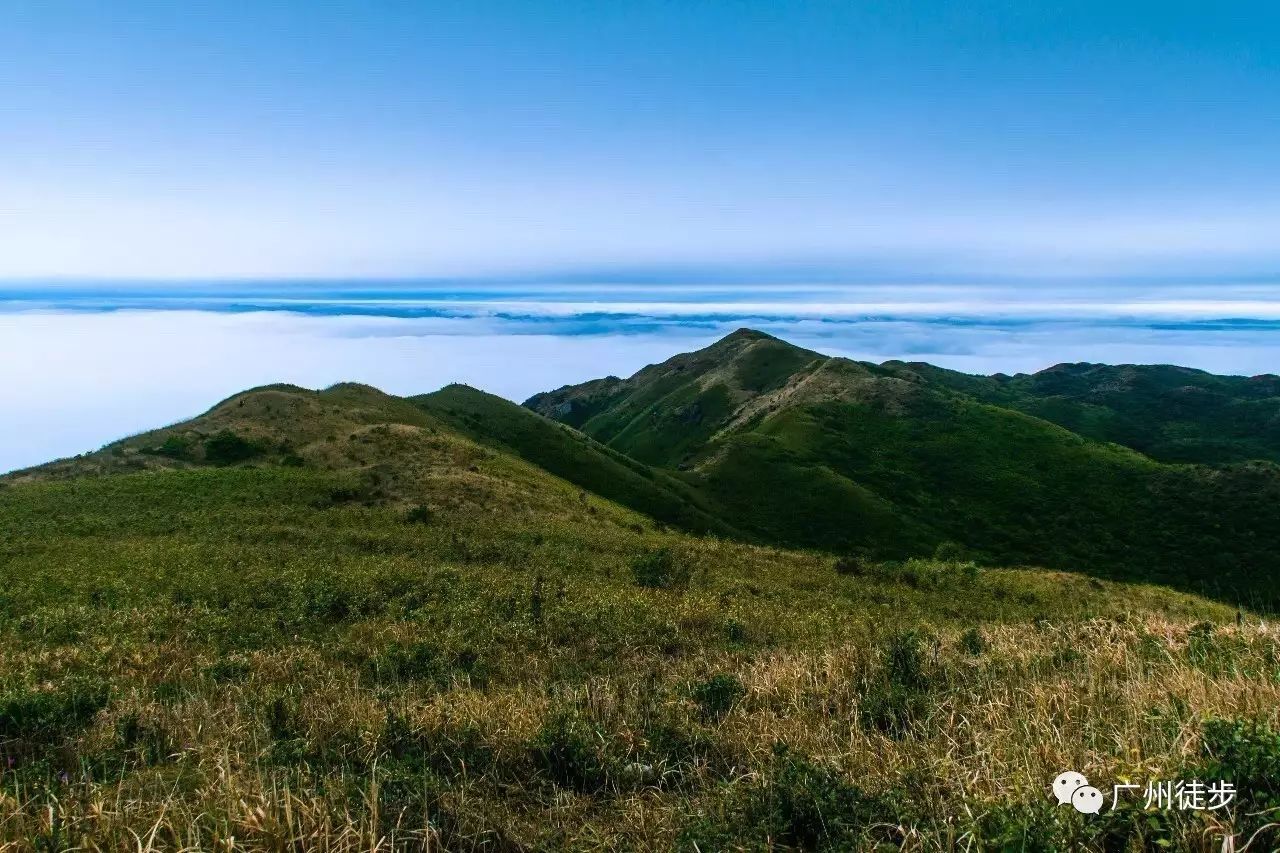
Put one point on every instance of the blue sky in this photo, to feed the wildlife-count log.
(1020, 138)
(200, 197)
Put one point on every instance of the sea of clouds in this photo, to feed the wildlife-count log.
(83, 365)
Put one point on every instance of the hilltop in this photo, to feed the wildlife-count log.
(760, 441)
(757, 440)
(384, 450)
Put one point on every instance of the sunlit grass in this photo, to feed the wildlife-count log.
(235, 659)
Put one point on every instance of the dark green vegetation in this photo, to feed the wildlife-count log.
(345, 621)
(799, 449)
(1173, 414)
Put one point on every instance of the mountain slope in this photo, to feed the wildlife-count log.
(571, 455)
(807, 450)
(309, 618)
(1174, 414)
(204, 650)
(377, 449)
(665, 413)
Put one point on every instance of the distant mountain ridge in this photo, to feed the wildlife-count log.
(809, 450)
(1174, 414)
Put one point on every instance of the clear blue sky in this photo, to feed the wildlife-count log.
(475, 138)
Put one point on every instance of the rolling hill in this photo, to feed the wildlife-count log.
(805, 450)
(382, 450)
(1173, 414)
(573, 456)
(760, 441)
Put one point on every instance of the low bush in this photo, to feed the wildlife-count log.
(38, 717)
(144, 738)
(660, 569)
(227, 448)
(446, 751)
(1200, 643)
(175, 446)
(904, 660)
(419, 514)
(423, 661)
(973, 642)
(1247, 754)
(894, 700)
(717, 695)
(917, 573)
(852, 564)
(800, 804)
(567, 751)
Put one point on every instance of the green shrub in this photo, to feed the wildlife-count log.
(852, 564)
(735, 632)
(1247, 754)
(1200, 643)
(972, 642)
(445, 751)
(228, 670)
(1030, 828)
(424, 661)
(893, 702)
(660, 569)
(1065, 657)
(279, 717)
(717, 695)
(891, 709)
(227, 448)
(679, 750)
(904, 660)
(811, 806)
(151, 743)
(419, 514)
(915, 572)
(175, 446)
(47, 716)
(566, 750)
(800, 805)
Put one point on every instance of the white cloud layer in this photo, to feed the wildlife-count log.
(71, 381)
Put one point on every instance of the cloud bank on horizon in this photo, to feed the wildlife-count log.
(285, 138)
(82, 367)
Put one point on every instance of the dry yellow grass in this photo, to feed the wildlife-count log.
(1004, 723)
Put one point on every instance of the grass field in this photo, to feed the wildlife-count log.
(274, 658)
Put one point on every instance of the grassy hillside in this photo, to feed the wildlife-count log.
(389, 452)
(343, 621)
(666, 413)
(1174, 414)
(247, 658)
(571, 455)
(805, 450)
